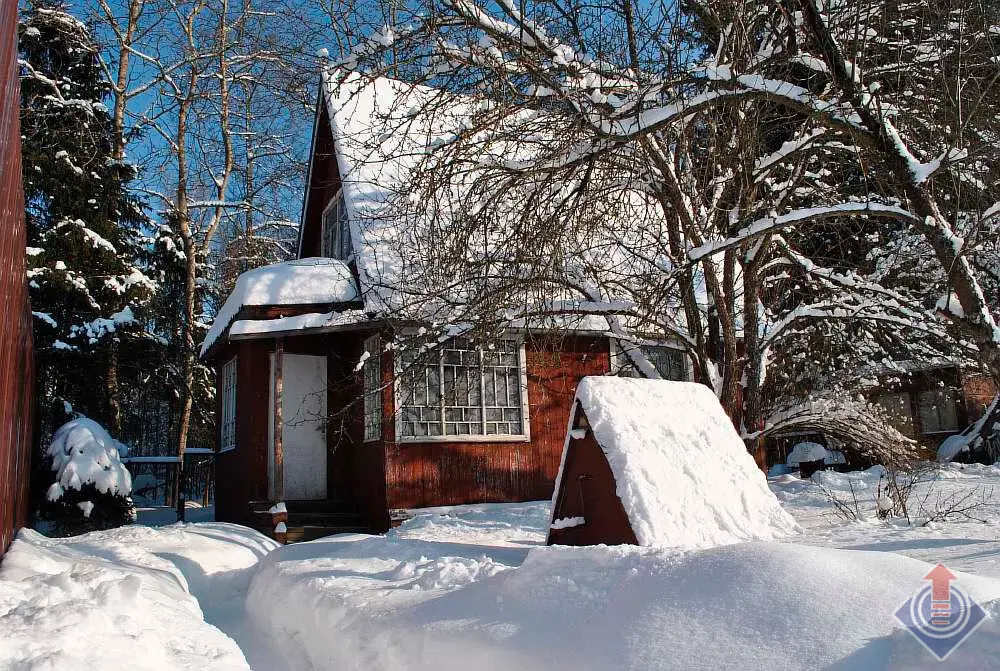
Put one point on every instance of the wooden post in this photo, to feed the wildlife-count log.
(181, 503)
(279, 456)
(208, 482)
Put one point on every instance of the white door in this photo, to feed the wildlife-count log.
(303, 435)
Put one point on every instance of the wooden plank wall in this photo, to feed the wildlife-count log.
(442, 473)
(16, 364)
(241, 474)
(324, 183)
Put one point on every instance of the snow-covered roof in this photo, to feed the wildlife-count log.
(682, 471)
(383, 130)
(380, 140)
(312, 321)
(312, 281)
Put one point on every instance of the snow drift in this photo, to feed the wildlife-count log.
(396, 603)
(123, 598)
(682, 472)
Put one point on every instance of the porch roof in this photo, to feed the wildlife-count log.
(311, 322)
(303, 282)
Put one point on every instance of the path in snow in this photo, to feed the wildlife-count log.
(470, 587)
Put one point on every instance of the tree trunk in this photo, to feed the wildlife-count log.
(113, 390)
(753, 371)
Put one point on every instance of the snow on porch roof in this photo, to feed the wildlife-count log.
(312, 281)
(312, 321)
(681, 471)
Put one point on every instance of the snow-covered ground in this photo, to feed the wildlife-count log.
(473, 587)
(134, 597)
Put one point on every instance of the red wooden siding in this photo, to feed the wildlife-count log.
(588, 490)
(324, 182)
(978, 391)
(353, 475)
(241, 474)
(446, 473)
(15, 337)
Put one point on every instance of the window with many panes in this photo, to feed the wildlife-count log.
(462, 389)
(336, 239)
(938, 410)
(897, 408)
(372, 371)
(668, 361)
(228, 428)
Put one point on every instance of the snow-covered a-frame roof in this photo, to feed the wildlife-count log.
(681, 471)
(381, 134)
(384, 132)
(312, 281)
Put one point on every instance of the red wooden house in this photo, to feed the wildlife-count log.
(318, 409)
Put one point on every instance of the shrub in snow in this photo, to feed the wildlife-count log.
(93, 488)
(806, 452)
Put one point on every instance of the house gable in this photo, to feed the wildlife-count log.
(323, 183)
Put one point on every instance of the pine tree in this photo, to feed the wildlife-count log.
(88, 289)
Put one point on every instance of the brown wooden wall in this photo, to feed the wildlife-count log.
(353, 475)
(324, 182)
(16, 364)
(978, 391)
(445, 473)
(588, 490)
(241, 474)
(379, 476)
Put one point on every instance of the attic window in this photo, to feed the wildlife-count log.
(336, 241)
(464, 392)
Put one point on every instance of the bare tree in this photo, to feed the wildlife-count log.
(651, 171)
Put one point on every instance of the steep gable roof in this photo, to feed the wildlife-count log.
(382, 131)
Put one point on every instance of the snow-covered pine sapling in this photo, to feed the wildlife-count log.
(92, 487)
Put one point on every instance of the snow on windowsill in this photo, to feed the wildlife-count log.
(568, 523)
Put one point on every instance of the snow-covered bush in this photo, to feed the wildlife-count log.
(806, 452)
(92, 489)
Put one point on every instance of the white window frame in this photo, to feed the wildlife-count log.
(371, 371)
(523, 437)
(227, 420)
(341, 247)
(620, 360)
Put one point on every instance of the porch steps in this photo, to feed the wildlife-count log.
(308, 532)
(309, 520)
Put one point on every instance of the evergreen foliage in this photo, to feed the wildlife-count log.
(89, 291)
